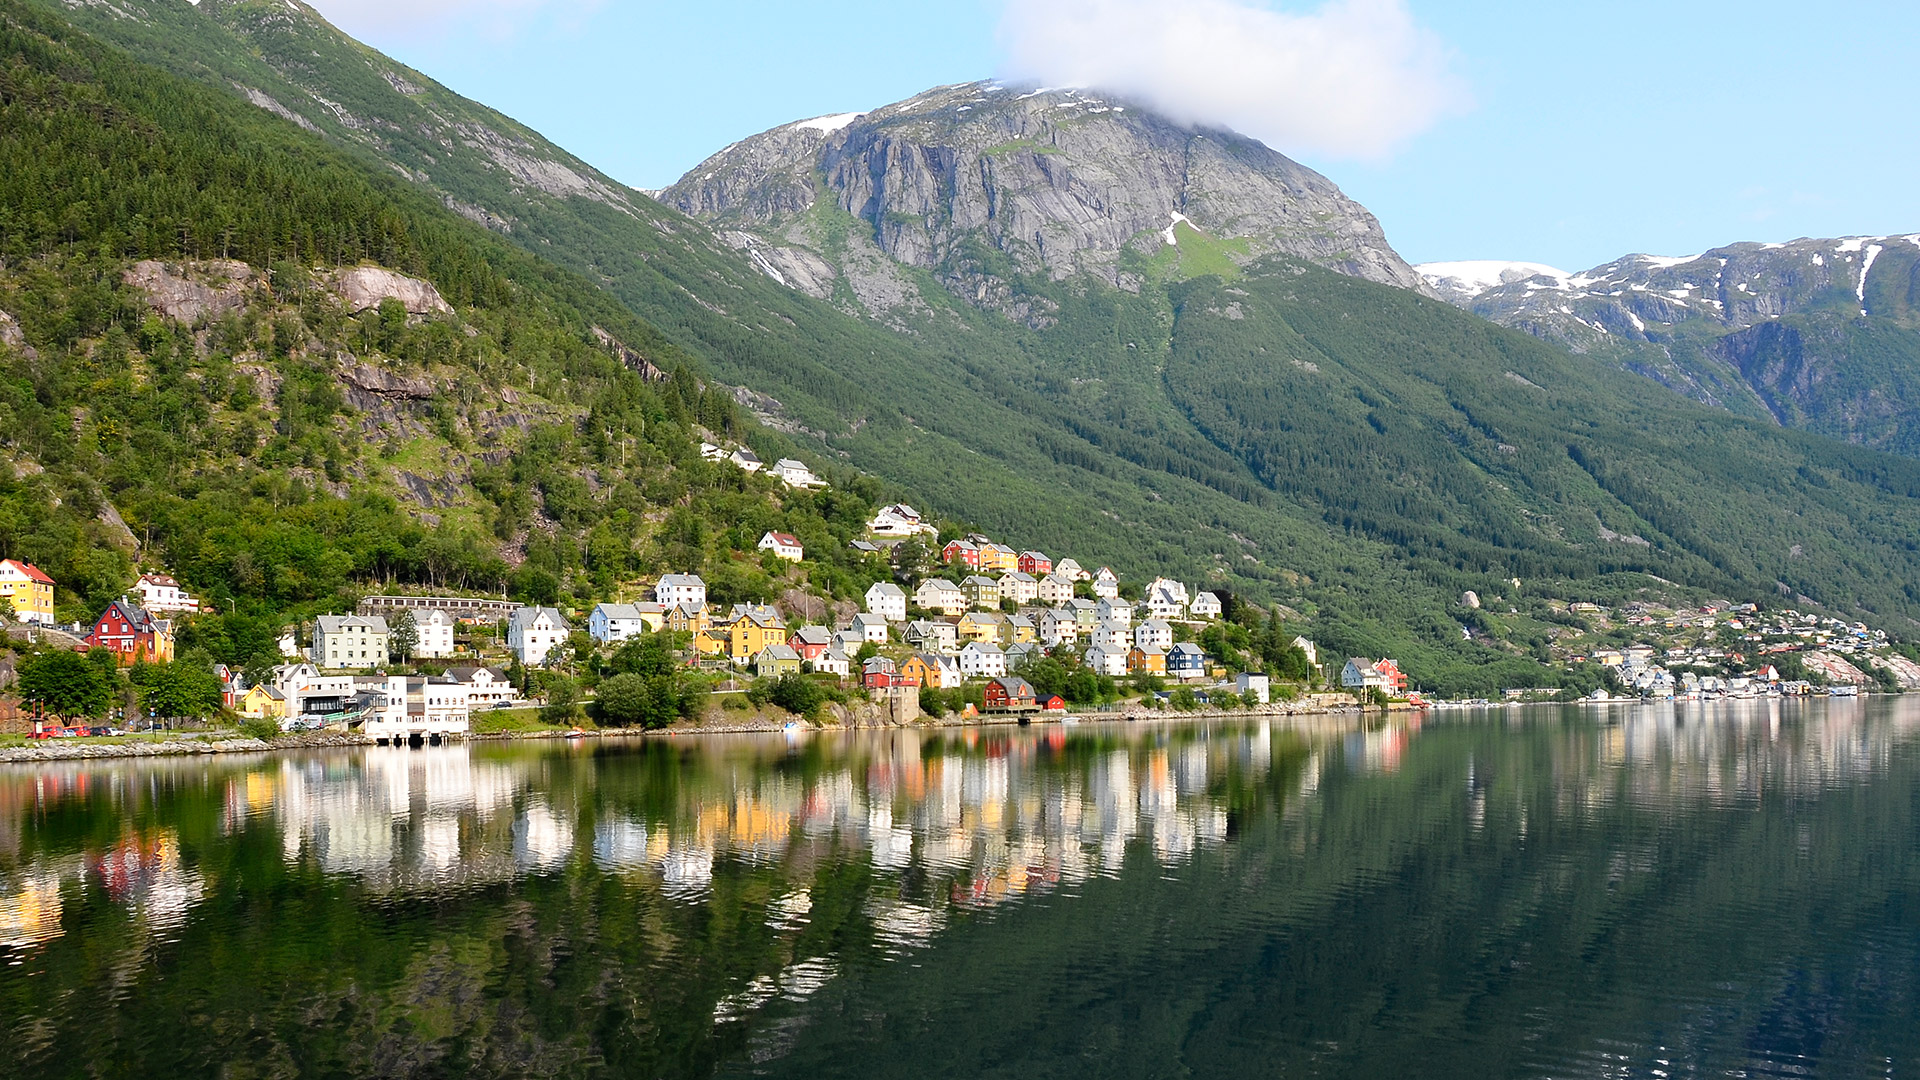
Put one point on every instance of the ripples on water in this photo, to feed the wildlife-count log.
(1643, 891)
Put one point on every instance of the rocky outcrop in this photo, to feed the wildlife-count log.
(364, 287)
(193, 292)
(385, 384)
(13, 337)
(1050, 182)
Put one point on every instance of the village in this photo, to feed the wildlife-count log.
(989, 630)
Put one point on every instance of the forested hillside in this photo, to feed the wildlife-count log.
(194, 370)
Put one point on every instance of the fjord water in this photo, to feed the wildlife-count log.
(1653, 891)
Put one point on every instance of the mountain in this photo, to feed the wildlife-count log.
(1264, 405)
(1819, 334)
(982, 182)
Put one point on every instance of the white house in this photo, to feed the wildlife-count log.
(833, 662)
(1171, 587)
(534, 631)
(159, 592)
(941, 595)
(433, 634)
(784, 545)
(1153, 634)
(350, 641)
(1204, 605)
(1114, 610)
(1106, 584)
(1257, 685)
(1019, 587)
(870, 627)
(1109, 634)
(1055, 588)
(979, 660)
(710, 452)
(1308, 647)
(676, 589)
(1058, 627)
(887, 600)
(484, 686)
(795, 474)
(1104, 661)
(1070, 570)
(899, 520)
(1164, 604)
(746, 459)
(931, 635)
(945, 670)
(611, 623)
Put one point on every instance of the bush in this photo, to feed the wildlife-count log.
(797, 694)
(263, 728)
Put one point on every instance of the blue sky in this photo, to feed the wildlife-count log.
(1559, 133)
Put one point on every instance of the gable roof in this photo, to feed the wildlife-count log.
(886, 588)
(527, 616)
(334, 624)
(782, 539)
(31, 571)
(619, 611)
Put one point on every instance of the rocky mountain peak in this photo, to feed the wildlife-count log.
(983, 181)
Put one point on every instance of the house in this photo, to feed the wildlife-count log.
(1105, 661)
(941, 595)
(1364, 674)
(1106, 584)
(878, 673)
(811, 642)
(1114, 610)
(1150, 660)
(964, 552)
(980, 659)
(775, 661)
(1308, 647)
(1055, 588)
(1035, 563)
(979, 626)
(159, 592)
(981, 591)
(1057, 627)
(899, 520)
(533, 632)
(1070, 570)
(833, 662)
(610, 623)
(1086, 614)
(930, 635)
(1258, 686)
(915, 671)
(1165, 604)
(688, 618)
(887, 600)
(432, 634)
(1007, 694)
(1050, 702)
(351, 641)
(1172, 588)
(795, 474)
(262, 702)
(674, 589)
(865, 547)
(743, 633)
(1204, 605)
(783, 545)
(1112, 635)
(746, 459)
(29, 589)
(1021, 588)
(710, 452)
(484, 686)
(870, 627)
(1186, 661)
(1020, 630)
(1153, 634)
(849, 641)
(1021, 653)
(998, 558)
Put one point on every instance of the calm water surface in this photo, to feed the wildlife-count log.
(1636, 892)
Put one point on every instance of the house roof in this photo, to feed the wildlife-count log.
(814, 635)
(783, 539)
(1014, 685)
(980, 580)
(1017, 575)
(886, 588)
(619, 611)
(159, 579)
(986, 647)
(680, 581)
(1187, 648)
(335, 624)
(778, 652)
(527, 616)
(31, 571)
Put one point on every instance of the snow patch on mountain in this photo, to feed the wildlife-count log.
(827, 125)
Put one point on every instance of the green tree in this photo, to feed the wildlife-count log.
(182, 689)
(797, 694)
(65, 684)
(562, 697)
(403, 637)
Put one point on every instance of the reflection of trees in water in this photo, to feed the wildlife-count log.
(670, 886)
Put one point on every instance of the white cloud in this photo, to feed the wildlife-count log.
(1352, 79)
(387, 18)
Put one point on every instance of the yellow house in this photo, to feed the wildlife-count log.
(998, 558)
(743, 633)
(685, 619)
(263, 702)
(1148, 661)
(29, 589)
(980, 626)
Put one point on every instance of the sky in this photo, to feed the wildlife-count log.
(1568, 134)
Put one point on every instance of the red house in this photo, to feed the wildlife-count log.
(1036, 563)
(1009, 692)
(132, 634)
(963, 552)
(1051, 703)
(879, 673)
(811, 642)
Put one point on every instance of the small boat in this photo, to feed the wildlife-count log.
(1848, 690)
(577, 733)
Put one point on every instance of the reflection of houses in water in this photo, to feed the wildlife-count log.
(144, 871)
(30, 910)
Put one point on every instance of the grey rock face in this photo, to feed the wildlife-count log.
(365, 287)
(192, 292)
(978, 180)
